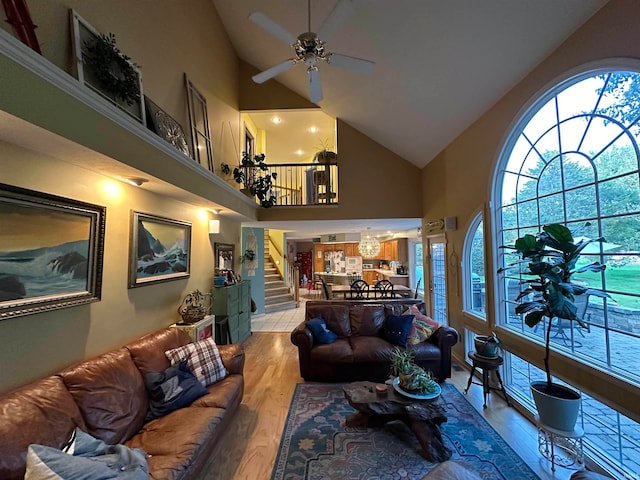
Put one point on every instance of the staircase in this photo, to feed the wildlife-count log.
(276, 294)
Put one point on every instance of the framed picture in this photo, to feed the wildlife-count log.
(224, 255)
(160, 249)
(103, 68)
(51, 252)
(163, 125)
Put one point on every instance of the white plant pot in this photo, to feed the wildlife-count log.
(555, 411)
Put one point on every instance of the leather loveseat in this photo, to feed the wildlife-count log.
(106, 397)
(361, 351)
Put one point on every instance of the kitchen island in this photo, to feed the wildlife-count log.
(369, 275)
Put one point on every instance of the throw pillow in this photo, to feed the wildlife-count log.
(396, 329)
(174, 388)
(203, 358)
(86, 458)
(320, 332)
(422, 327)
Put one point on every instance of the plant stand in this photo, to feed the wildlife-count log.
(487, 365)
(561, 448)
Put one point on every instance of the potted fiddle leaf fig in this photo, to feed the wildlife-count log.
(548, 261)
(254, 174)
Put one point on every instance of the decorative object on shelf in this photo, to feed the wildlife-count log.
(201, 142)
(195, 306)
(487, 345)
(369, 247)
(254, 174)
(550, 258)
(411, 378)
(249, 257)
(65, 238)
(102, 67)
(163, 125)
(160, 249)
(19, 18)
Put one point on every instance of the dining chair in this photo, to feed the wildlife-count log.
(384, 289)
(358, 290)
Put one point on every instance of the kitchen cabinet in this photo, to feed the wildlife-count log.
(351, 250)
(369, 276)
(395, 250)
(318, 257)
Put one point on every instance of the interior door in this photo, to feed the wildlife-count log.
(436, 278)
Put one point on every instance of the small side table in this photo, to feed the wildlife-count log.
(200, 330)
(561, 448)
(487, 365)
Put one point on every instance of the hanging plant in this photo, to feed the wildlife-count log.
(113, 70)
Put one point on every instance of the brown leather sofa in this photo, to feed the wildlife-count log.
(106, 397)
(361, 352)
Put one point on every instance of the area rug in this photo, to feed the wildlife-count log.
(316, 445)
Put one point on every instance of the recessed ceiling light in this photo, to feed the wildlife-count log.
(299, 152)
(276, 120)
(313, 129)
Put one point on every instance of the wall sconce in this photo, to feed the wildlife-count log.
(214, 226)
(135, 181)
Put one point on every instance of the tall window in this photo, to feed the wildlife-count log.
(574, 159)
(473, 269)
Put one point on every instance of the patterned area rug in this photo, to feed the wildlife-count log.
(316, 445)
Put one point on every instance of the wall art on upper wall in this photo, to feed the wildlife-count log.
(160, 249)
(165, 126)
(104, 69)
(51, 252)
(201, 141)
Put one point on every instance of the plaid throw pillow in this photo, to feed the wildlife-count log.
(203, 358)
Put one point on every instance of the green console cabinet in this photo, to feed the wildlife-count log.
(232, 307)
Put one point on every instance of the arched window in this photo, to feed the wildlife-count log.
(573, 158)
(473, 269)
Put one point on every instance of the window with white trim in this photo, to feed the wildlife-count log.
(574, 159)
(473, 269)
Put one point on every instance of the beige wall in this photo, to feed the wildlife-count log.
(458, 181)
(35, 345)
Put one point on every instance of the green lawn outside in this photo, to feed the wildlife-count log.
(622, 279)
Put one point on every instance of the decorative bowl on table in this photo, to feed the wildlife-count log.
(437, 390)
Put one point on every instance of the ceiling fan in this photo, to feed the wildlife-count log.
(309, 47)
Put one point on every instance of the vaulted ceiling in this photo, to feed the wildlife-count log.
(439, 64)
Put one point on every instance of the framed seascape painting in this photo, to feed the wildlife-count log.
(51, 252)
(160, 249)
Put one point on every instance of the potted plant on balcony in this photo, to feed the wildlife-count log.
(550, 257)
(325, 154)
(254, 174)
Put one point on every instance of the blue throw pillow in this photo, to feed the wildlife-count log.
(175, 388)
(397, 328)
(320, 332)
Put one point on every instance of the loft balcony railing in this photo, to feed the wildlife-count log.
(299, 184)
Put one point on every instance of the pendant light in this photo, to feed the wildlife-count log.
(369, 247)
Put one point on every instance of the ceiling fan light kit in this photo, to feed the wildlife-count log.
(309, 48)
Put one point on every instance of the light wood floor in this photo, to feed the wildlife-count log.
(248, 449)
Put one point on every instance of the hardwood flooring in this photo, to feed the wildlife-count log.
(248, 449)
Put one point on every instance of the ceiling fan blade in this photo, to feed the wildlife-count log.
(272, 27)
(273, 71)
(340, 13)
(352, 63)
(315, 89)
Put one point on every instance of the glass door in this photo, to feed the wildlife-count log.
(436, 278)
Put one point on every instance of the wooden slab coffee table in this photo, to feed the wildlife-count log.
(423, 417)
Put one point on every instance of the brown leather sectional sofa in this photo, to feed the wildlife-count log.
(106, 397)
(361, 351)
